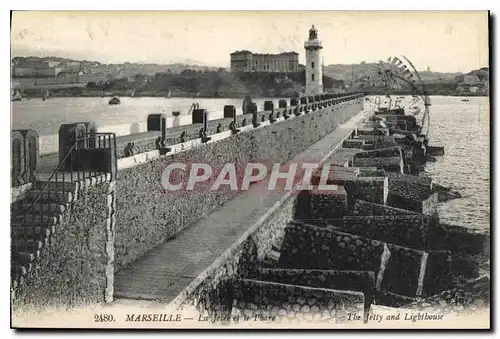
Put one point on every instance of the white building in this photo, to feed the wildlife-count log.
(314, 71)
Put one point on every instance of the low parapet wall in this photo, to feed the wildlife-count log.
(49, 143)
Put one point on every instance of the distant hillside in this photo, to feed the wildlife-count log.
(350, 73)
(192, 83)
(479, 75)
(125, 69)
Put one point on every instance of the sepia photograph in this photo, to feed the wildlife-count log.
(250, 169)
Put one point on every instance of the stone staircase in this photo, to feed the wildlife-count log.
(35, 218)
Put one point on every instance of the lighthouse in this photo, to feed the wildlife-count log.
(314, 71)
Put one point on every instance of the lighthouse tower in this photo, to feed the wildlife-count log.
(314, 71)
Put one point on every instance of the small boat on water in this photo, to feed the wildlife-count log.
(114, 101)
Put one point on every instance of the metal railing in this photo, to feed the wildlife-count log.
(77, 165)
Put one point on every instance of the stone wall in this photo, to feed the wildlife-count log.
(327, 206)
(241, 261)
(76, 264)
(438, 273)
(371, 172)
(402, 271)
(405, 230)
(309, 247)
(412, 193)
(365, 208)
(147, 214)
(399, 270)
(424, 204)
(382, 152)
(284, 301)
(389, 164)
(360, 281)
(372, 189)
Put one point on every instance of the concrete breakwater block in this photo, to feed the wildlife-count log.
(400, 121)
(360, 281)
(328, 205)
(389, 164)
(307, 246)
(263, 300)
(353, 143)
(413, 273)
(438, 272)
(406, 230)
(336, 174)
(342, 157)
(366, 130)
(412, 196)
(366, 208)
(435, 150)
(373, 189)
(380, 153)
(379, 141)
(402, 270)
(421, 180)
(460, 240)
(371, 172)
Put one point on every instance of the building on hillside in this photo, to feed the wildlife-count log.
(246, 61)
(36, 68)
(334, 86)
(30, 72)
(70, 67)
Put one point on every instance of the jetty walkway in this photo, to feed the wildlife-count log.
(178, 266)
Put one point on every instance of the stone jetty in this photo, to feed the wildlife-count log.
(108, 227)
(375, 241)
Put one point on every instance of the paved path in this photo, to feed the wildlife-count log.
(166, 270)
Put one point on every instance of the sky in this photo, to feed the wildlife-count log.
(445, 41)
